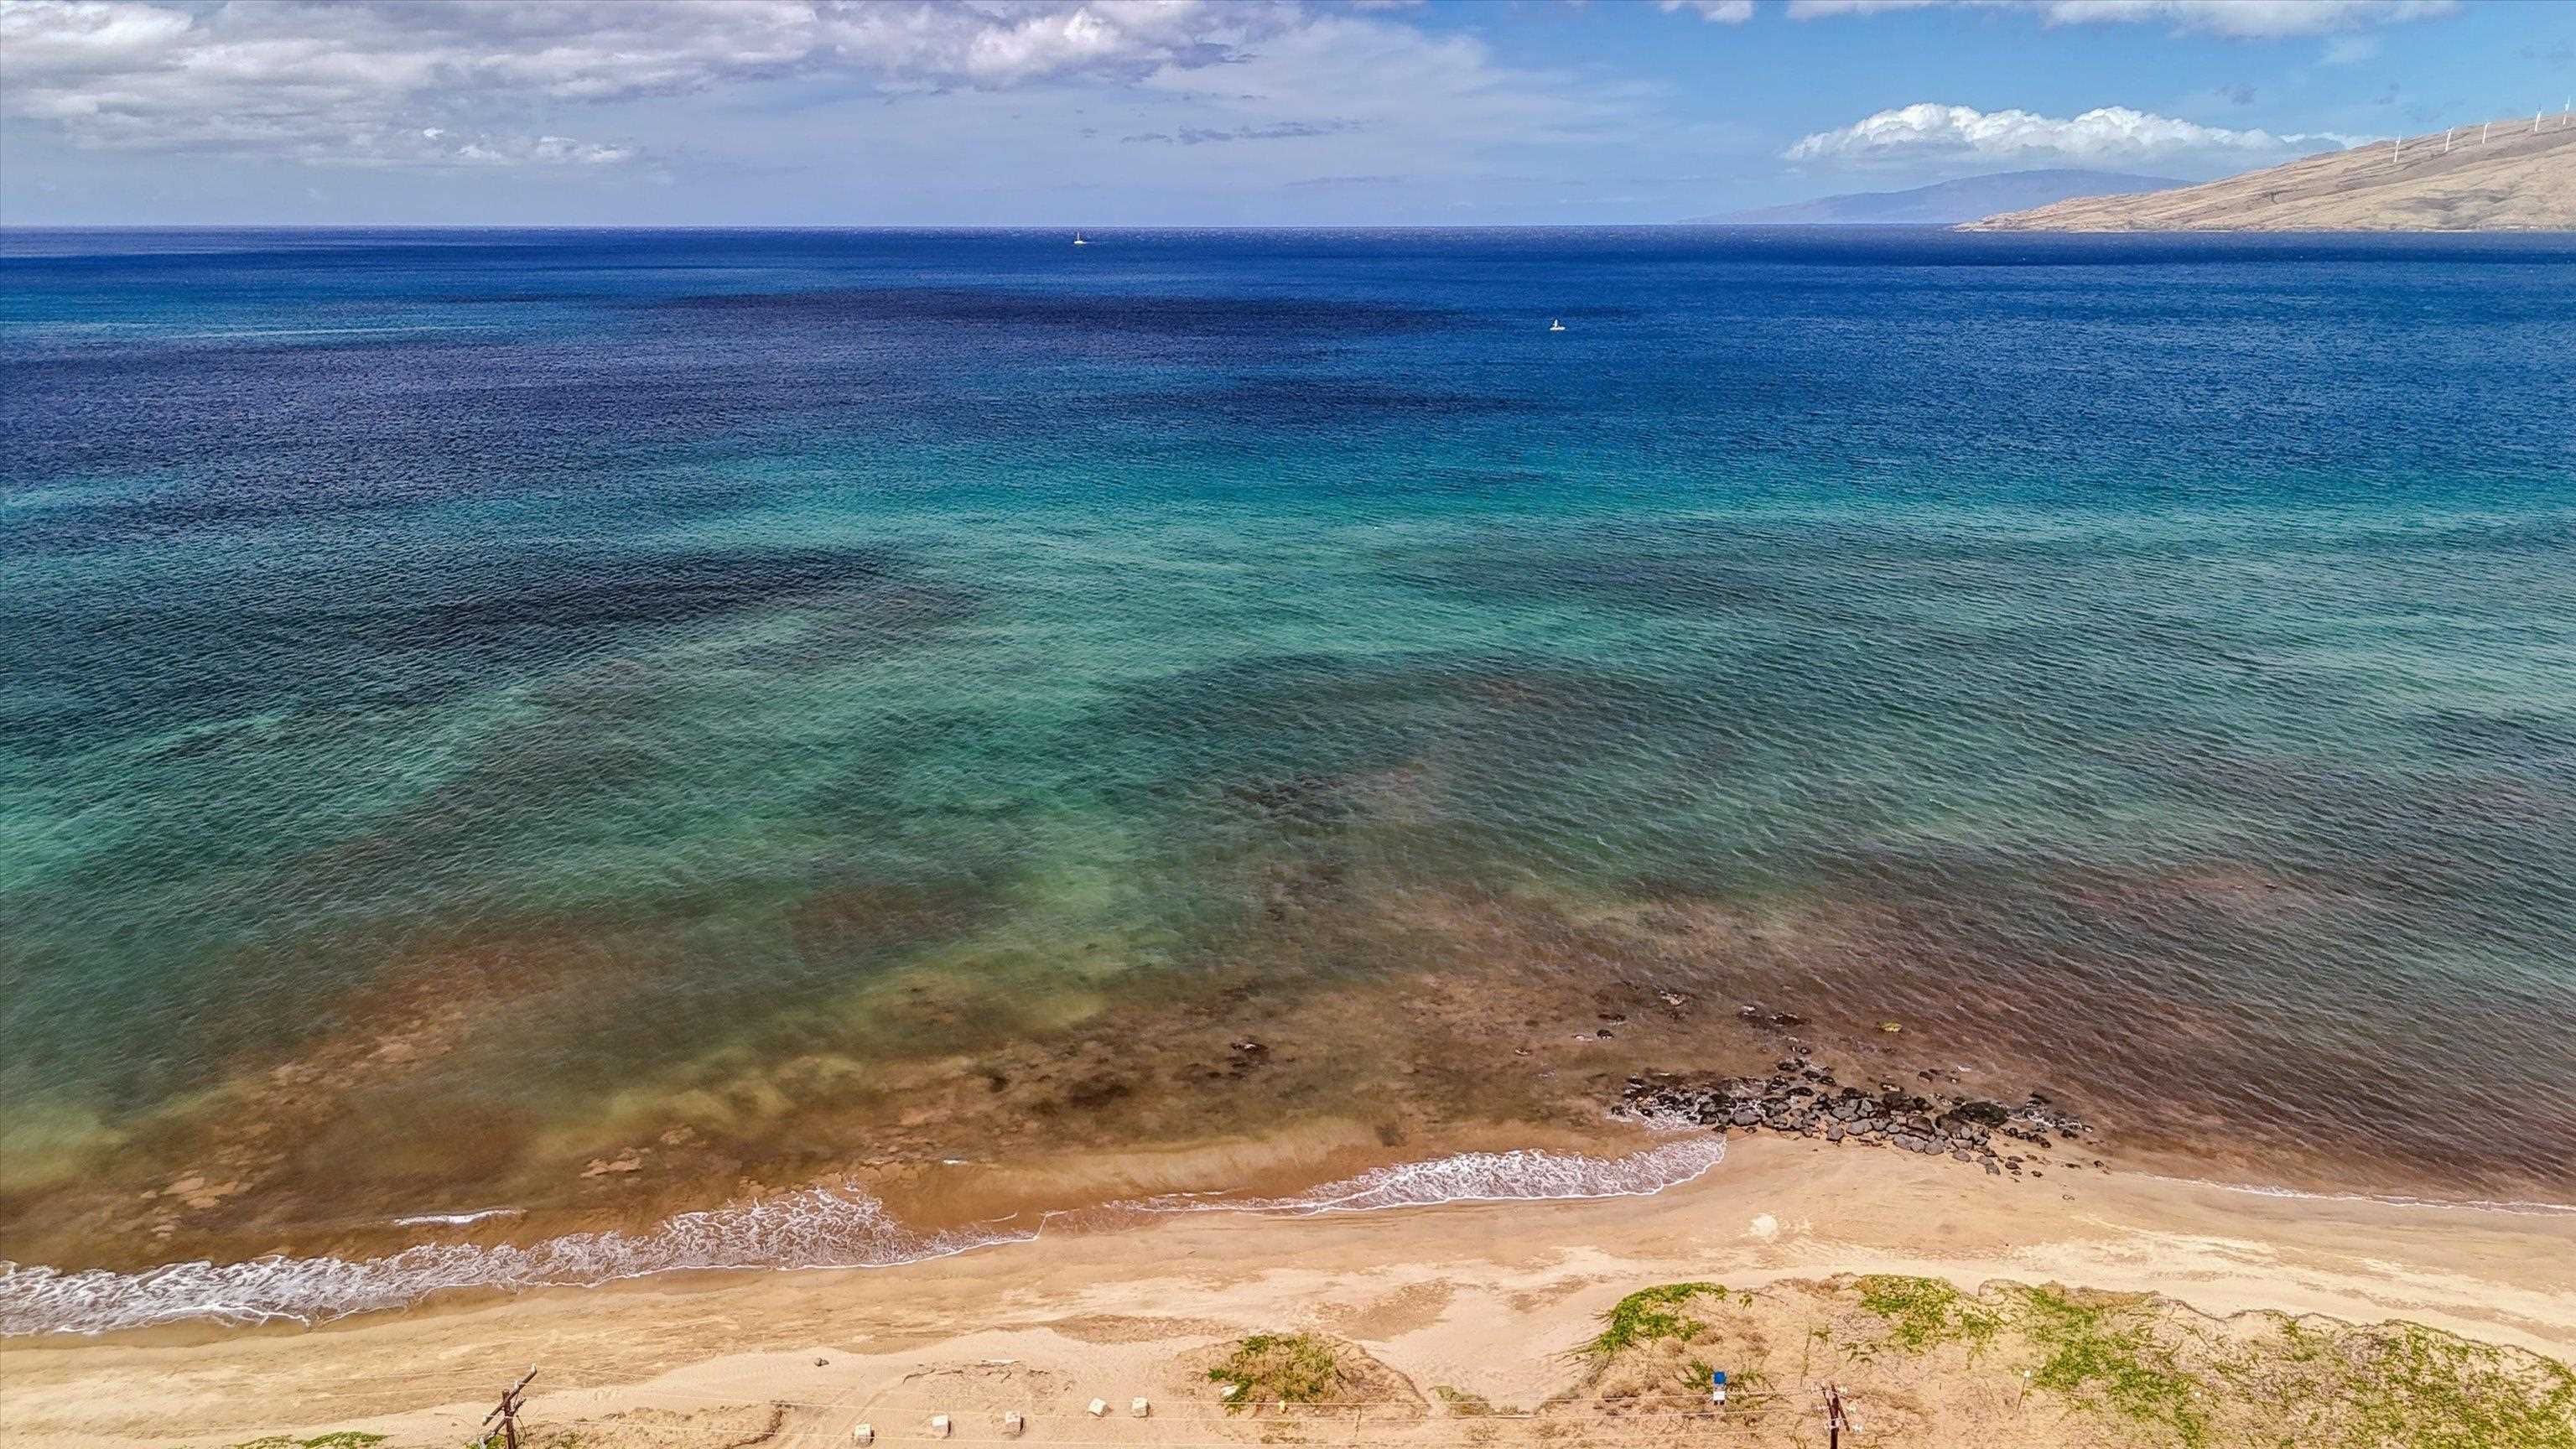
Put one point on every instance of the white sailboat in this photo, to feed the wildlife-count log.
(1078, 241)
(1553, 325)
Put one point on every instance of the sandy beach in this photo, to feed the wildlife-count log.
(1470, 1309)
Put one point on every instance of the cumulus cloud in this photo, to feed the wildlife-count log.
(2242, 19)
(1412, 92)
(356, 80)
(1204, 135)
(1715, 12)
(1925, 132)
(2252, 19)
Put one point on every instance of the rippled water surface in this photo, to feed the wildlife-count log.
(610, 724)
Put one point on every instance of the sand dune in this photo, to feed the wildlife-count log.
(2517, 179)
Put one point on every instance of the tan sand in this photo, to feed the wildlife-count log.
(1477, 1300)
(2518, 179)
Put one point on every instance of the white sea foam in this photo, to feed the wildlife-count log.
(1525, 1175)
(453, 1220)
(819, 1228)
(2388, 1199)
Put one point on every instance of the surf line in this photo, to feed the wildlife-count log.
(822, 1227)
(2526, 1207)
(1523, 1175)
(455, 1220)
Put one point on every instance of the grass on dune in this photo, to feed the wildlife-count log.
(1650, 1314)
(1282, 1368)
(2153, 1374)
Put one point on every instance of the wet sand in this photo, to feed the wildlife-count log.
(1481, 1298)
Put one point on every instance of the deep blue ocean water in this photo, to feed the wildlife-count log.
(627, 662)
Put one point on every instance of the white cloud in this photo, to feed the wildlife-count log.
(1716, 12)
(1412, 93)
(2251, 19)
(1925, 132)
(323, 80)
(1823, 9)
(2242, 19)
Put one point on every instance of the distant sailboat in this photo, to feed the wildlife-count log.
(1554, 325)
(1078, 241)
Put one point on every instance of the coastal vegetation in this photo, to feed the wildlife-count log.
(1924, 1311)
(1650, 1314)
(1306, 1372)
(1924, 1360)
(1279, 1368)
(1919, 1361)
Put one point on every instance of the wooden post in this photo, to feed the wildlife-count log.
(1836, 1421)
(508, 1413)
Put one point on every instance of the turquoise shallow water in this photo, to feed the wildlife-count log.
(2149, 660)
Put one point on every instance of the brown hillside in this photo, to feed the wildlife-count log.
(2516, 180)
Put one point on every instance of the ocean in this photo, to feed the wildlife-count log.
(511, 739)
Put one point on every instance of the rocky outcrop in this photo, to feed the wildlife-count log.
(1802, 1098)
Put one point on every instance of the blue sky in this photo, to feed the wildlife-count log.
(1190, 112)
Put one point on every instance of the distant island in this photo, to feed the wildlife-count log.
(1942, 203)
(2513, 175)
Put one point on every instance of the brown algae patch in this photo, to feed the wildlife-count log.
(1359, 1016)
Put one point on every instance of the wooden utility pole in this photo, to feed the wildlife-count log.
(1836, 1421)
(508, 1414)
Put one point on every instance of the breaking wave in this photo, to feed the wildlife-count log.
(2526, 1206)
(818, 1228)
(1525, 1175)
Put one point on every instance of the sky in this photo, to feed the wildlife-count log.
(1106, 113)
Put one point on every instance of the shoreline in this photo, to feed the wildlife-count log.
(1773, 1210)
(1678, 1127)
(946, 1156)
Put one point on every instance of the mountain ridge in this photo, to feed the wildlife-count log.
(1941, 203)
(2517, 175)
